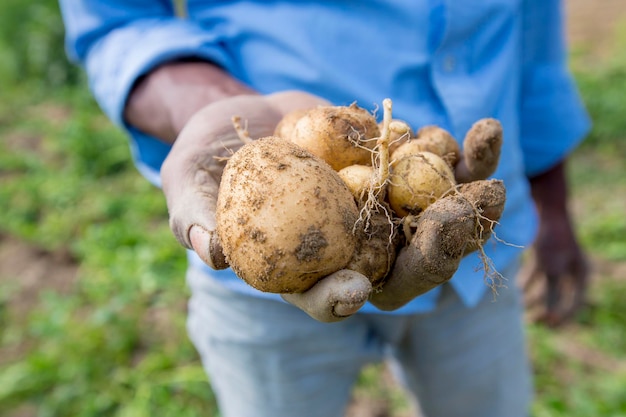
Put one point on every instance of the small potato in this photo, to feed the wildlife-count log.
(431, 139)
(340, 135)
(410, 147)
(358, 179)
(287, 124)
(443, 231)
(376, 249)
(417, 181)
(440, 142)
(481, 151)
(284, 218)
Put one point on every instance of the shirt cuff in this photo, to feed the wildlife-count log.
(554, 120)
(119, 59)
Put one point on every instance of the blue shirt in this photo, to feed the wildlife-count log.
(442, 62)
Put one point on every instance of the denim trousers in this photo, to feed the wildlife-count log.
(266, 358)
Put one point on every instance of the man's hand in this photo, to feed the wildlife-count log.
(191, 173)
(448, 230)
(556, 278)
(191, 105)
(191, 178)
(453, 226)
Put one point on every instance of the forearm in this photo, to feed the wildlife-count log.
(163, 101)
(549, 189)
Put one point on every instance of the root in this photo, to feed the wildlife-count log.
(374, 196)
(492, 277)
(242, 132)
(400, 128)
(382, 146)
(380, 161)
(366, 213)
(408, 224)
(224, 158)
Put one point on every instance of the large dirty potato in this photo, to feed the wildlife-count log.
(284, 217)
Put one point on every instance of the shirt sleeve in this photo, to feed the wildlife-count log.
(118, 41)
(553, 118)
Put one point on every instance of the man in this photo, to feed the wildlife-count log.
(168, 80)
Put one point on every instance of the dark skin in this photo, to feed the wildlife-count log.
(175, 96)
(163, 101)
(558, 265)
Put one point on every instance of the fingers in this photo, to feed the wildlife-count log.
(192, 171)
(208, 247)
(566, 295)
(191, 201)
(563, 300)
(481, 151)
(488, 198)
(443, 232)
(335, 297)
(554, 299)
(532, 283)
(191, 195)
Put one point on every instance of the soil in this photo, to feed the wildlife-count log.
(29, 271)
(592, 26)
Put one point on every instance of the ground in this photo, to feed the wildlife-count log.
(590, 29)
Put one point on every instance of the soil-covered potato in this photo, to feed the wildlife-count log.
(418, 180)
(358, 179)
(340, 135)
(375, 253)
(286, 126)
(430, 139)
(481, 151)
(284, 217)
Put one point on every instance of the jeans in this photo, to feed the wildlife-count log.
(268, 359)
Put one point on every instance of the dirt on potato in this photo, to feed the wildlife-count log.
(340, 135)
(284, 217)
(377, 244)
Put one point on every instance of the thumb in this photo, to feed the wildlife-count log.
(192, 170)
(191, 173)
(191, 204)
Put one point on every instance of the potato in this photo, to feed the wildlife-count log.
(488, 198)
(340, 135)
(481, 151)
(287, 124)
(448, 230)
(328, 201)
(433, 255)
(358, 179)
(376, 248)
(416, 181)
(284, 218)
(431, 139)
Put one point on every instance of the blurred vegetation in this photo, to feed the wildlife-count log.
(31, 44)
(597, 169)
(114, 344)
(603, 92)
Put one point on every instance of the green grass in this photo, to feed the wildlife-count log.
(68, 184)
(114, 344)
(580, 371)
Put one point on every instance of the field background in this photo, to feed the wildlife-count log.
(92, 297)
